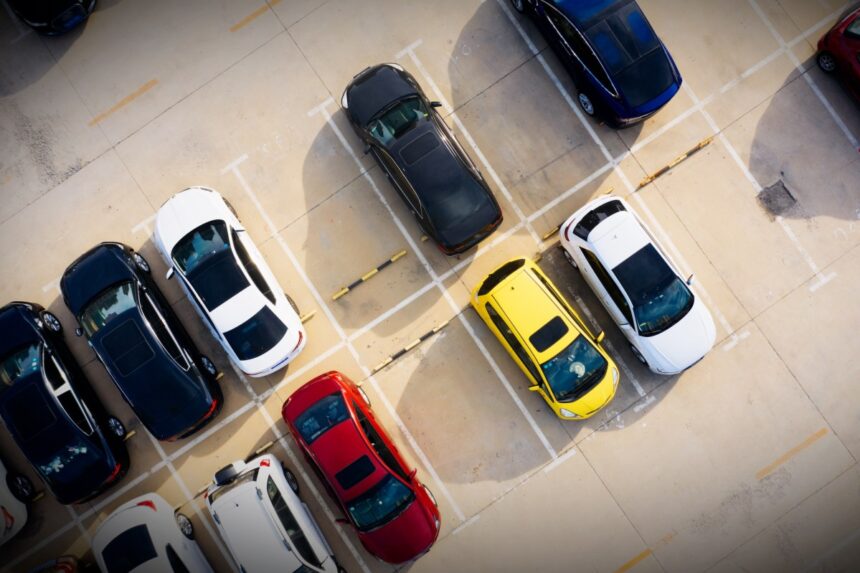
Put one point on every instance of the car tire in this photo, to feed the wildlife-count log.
(292, 303)
(364, 396)
(586, 104)
(116, 427)
(21, 487)
(638, 355)
(519, 6)
(826, 62)
(208, 366)
(51, 322)
(291, 479)
(569, 258)
(140, 263)
(185, 525)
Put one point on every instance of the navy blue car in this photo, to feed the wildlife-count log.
(134, 332)
(52, 17)
(622, 70)
(51, 411)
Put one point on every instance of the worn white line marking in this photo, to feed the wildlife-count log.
(438, 282)
(77, 521)
(560, 460)
(466, 524)
(305, 367)
(53, 285)
(321, 302)
(145, 225)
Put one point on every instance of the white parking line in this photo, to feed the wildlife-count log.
(560, 460)
(234, 168)
(145, 225)
(77, 521)
(53, 285)
(438, 282)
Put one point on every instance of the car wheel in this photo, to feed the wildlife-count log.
(208, 366)
(116, 427)
(638, 355)
(519, 5)
(140, 262)
(569, 258)
(826, 62)
(586, 104)
(291, 480)
(292, 303)
(21, 487)
(185, 525)
(364, 395)
(51, 322)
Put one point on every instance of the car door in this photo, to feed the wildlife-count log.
(515, 346)
(851, 54)
(605, 287)
(404, 188)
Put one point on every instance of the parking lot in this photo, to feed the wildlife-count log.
(746, 462)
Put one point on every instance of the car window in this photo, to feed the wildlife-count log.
(110, 304)
(325, 414)
(380, 504)
(20, 362)
(257, 335)
(129, 550)
(378, 444)
(159, 326)
(396, 120)
(291, 525)
(67, 399)
(608, 284)
(400, 181)
(203, 242)
(574, 370)
(251, 267)
(853, 29)
(175, 562)
(518, 349)
(579, 46)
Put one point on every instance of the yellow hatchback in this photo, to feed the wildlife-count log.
(551, 344)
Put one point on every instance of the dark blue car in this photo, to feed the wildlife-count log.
(134, 332)
(51, 411)
(52, 17)
(622, 70)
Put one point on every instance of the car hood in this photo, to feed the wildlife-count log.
(15, 329)
(183, 213)
(93, 272)
(685, 343)
(374, 89)
(594, 399)
(404, 538)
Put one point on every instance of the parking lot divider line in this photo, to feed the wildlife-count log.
(784, 458)
(234, 168)
(124, 101)
(675, 162)
(410, 51)
(77, 521)
(254, 15)
(436, 281)
(634, 562)
(368, 275)
(408, 347)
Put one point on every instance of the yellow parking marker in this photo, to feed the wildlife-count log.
(365, 277)
(262, 449)
(37, 497)
(125, 101)
(424, 238)
(253, 15)
(408, 347)
(129, 435)
(769, 469)
(633, 562)
(307, 316)
(684, 156)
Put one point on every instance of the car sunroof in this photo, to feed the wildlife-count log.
(419, 148)
(127, 347)
(354, 472)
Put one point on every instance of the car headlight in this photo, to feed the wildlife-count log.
(615, 377)
(567, 413)
(344, 102)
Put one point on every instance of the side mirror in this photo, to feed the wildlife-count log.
(690, 280)
(169, 274)
(601, 336)
(435, 104)
(534, 388)
(79, 331)
(413, 473)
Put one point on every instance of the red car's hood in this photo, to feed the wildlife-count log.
(404, 538)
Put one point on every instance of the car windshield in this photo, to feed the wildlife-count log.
(660, 299)
(379, 505)
(574, 370)
(20, 362)
(257, 335)
(397, 119)
(108, 305)
(129, 550)
(203, 242)
(325, 414)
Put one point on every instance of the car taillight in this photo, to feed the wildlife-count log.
(9, 521)
(116, 469)
(301, 337)
(147, 503)
(265, 463)
(212, 408)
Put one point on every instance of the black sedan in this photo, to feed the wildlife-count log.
(136, 335)
(51, 411)
(422, 158)
(52, 17)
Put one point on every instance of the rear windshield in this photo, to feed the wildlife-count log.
(108, 305)
(20, 362)
(257, 335)
(325, 414)
(380, 504)
(129, 550)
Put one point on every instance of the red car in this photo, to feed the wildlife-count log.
(839, 50)
(395, 515)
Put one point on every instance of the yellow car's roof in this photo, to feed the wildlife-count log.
(528, 306)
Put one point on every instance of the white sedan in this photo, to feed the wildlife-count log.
(264, 523)
(15, 491)
(146, 534)
(219, 266)
(668, 327)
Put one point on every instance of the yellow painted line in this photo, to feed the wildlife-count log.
(633, 562)
(766, 471)
(253, 15)
(125, 101)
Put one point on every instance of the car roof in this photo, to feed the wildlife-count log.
(618, 237)
(375, 88)
(586, 12)
(93, 272)
(338, 449)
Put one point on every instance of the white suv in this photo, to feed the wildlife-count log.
(264, 523)
(669, 329)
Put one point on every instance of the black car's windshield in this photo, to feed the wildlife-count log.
(257, 335)
(20, 362)
(574, 370)
(660, 299)
(129, 550)
(203, 242)
(397, 119)
(325, 414)
(108, 305)
(380, 504)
